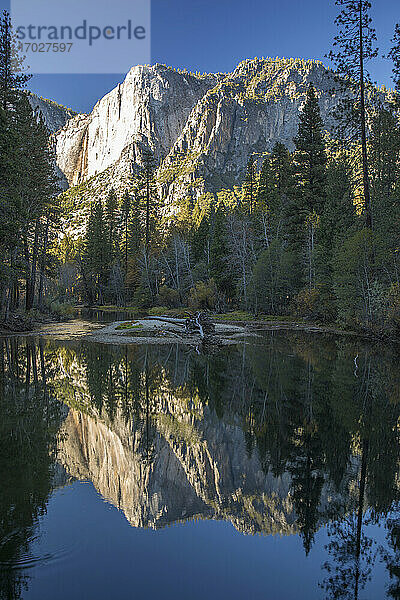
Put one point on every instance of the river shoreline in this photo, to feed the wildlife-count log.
(144, 331)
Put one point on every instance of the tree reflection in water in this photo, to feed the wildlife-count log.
(286, 435)
(30, 417)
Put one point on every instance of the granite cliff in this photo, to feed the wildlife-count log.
(163, 455)
(54, 115)
(201, 128)
(209, 477)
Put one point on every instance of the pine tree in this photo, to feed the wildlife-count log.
(310, 157)
(250, 186)
(275, 189)
(9, 215)
(266, 183)
(135, 244)
(394, 54)
(307, 204)
(355, 46)
(384, 154)
(336, 222)
(147, 190)
(28, 197)
(200, 244)
(36, 188)
(12, 77)
(12, 151)
(385, 178)
(339, 215)
(282, 164)
(110, 214)
(147, 195)
(125, 212)
(219, 251)
(95, 258)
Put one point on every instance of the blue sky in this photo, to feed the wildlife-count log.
(215, 35)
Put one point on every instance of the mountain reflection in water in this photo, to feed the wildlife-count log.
(285, 435)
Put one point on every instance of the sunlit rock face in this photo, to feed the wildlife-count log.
(175, 469)
(252, 109)
(150, 109)
(201, 129)
(115, 460)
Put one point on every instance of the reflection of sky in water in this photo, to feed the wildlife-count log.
(200, 560)
(202, 448)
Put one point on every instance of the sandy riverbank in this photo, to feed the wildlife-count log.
(138, 331)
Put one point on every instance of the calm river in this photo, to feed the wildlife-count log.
(267, 470)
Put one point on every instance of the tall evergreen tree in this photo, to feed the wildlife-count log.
(147, 195)
(36, 186)
(266, 183)
(310, 156)
(12, 75)
(96, 259)
(394, 54)
(147, 190)
(125, 211)
(309, 200)
(385, 176)
(275, 191)
(135, 244)
(354, 46)
(250, 186)
(336, 221)
(384, 154)
(219, 253)
(110, 214)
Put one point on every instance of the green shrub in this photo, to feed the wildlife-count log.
(272, 281)
(142, 297)
(61, 309)
(204, 295)
(315, 304)
(168, 297)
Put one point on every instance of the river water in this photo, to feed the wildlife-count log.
(267, 470)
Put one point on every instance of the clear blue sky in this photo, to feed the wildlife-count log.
(215, 35)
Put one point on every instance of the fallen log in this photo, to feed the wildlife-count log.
(179, 322)
(200, 324)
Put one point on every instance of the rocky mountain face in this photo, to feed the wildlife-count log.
(202, 129)
(181, 464)
(184, 473)
(55, 116)
(149, 109)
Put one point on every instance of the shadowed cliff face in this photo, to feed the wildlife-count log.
(54, 115)
(200, 128)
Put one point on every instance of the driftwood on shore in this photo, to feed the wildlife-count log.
(196, 330)
(198, 324)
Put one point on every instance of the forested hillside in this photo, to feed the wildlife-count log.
(274, 189)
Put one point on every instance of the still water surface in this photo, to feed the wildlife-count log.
(268, 470)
